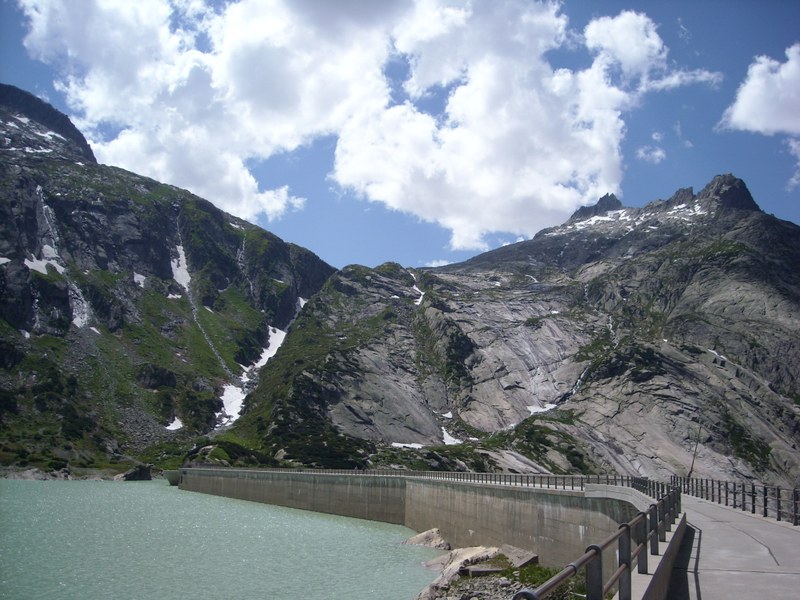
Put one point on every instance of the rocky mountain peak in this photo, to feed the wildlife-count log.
(32, 126)
(729, 192)
(604, 205)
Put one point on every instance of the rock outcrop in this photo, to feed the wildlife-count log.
(128, 308)
(623, 341)
(137, 473)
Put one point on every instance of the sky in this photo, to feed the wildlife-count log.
(422, 131)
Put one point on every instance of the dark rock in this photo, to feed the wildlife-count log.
(137, 473)
(606, 204)
(27, 104)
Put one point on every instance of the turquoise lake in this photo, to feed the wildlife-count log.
(93, 540)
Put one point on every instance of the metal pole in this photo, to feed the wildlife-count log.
(778, 503)
(594, 574)
(765, 500)
(625, 559)
(641, 538)
(653, 529)
(753, 498)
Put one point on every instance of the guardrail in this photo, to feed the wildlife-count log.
(646, 529)
(783, 504)
(562, 482)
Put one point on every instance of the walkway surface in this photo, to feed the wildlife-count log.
(730, 553)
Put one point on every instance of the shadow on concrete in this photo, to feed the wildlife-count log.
(684, 584)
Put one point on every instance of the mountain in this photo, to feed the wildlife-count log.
(652, 341)
(136, 320)
(127, 307)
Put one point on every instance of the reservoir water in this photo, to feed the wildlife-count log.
(93, 540)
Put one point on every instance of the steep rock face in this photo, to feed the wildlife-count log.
(626, 339)
(126, 305)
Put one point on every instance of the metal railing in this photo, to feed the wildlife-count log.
(633, 542)
(560, 482)
(782, 504)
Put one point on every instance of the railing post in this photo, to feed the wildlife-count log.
(766, 496)
(653, 532)
(594, 574)
(641, 538)
(778, 502)
(668, 514)
(753, 498)
(625, 559)
(795, 503)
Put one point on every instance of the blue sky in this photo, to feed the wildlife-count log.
(422, 131)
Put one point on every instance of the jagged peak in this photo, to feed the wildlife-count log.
(729, 192)
(604, 205)
(35, 109)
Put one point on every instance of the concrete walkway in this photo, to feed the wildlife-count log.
(729, 553)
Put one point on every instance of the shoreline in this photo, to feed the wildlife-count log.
(476, 571)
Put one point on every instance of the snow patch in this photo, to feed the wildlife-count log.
(207, 308)
(174, 296)
(41, 265)
(540, 409)
(180, 271)
(175, 425)
(25, 334)
(81, 312)
(448, 414)
(449, 440)
(232, 402)
(97, 331)
(400, 445)
(418, 301)
(4, 260)
(139, 279)
(276, 337)
(49, 135)
(232, 395)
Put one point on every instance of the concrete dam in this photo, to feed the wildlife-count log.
(470, 509)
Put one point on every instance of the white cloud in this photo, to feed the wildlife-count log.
(438, 263)
(678, 129)
(767, 101)
(651, 154)
(629, 40)
(794, 149)
(192, 95)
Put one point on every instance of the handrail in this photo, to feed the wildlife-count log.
(562, 482)
(782, 504)
(647, 528)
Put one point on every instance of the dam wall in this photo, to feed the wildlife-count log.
(556, 524)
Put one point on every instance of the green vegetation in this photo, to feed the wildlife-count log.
(745, 446)
(540, 434)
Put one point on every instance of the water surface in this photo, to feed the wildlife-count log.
(89, 540)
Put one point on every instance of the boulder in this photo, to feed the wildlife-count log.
(137, 473)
